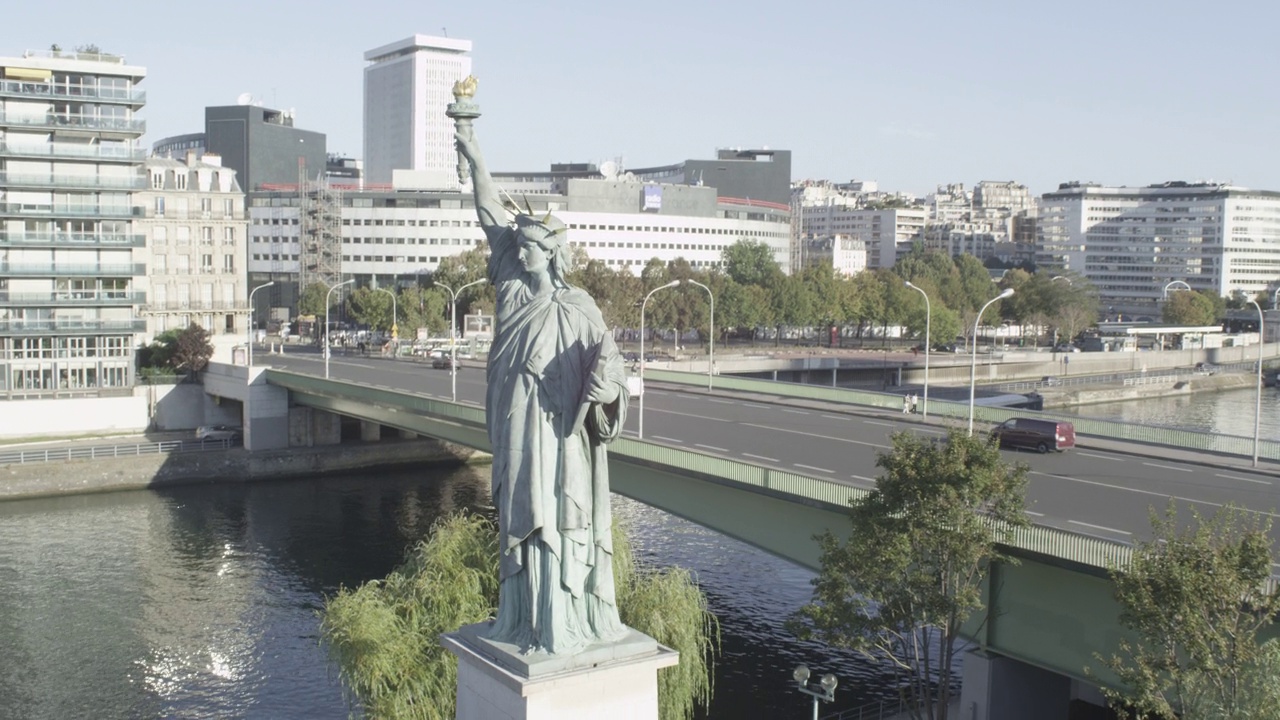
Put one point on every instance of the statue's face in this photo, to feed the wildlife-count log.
(532, 257)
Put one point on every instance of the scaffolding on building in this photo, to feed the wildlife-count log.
(319, 231)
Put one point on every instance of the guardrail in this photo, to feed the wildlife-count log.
(1149, 434)
(44, 455)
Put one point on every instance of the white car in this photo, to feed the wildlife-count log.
(217, 432)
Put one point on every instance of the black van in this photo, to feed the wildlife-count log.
(1034, 433)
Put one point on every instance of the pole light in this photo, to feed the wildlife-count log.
(711, 342)
(928, 319)
(327, 347)
(249, 355)
(825, 691)
(673, 283)
(973, 363)
(393, 310)
(453, 329)
(1257, 408)
(1171, 284)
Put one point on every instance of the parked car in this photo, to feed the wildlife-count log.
(442, 362)
(1066, 348)
(1035, 434)
(217, 432)
(1050, 381)
(631, 356)
(1203, 368)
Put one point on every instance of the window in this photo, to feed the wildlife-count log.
(228, 264)
(159, 207)
(228, 235)
(184, 235)
(157, 181)
(180, 180)
(206, 263)
(206, 235)
(160, 235)
(158, 265)
(229, 207)
(206, 206)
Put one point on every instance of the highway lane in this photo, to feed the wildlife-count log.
(1102, 492)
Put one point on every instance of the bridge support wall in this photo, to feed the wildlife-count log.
(266, 415)
(309, 427)
(1001, 688)
(370, 431)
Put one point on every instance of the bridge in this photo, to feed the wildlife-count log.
(773, 464)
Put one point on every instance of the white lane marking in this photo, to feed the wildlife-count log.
(877, 422)
(864, 478)
(700, 417)
(1099, 527)
(722, 402)
(795, 412)
(1032, 512)
(757, 406)
(1166, 467)
(931, 431)
(810, 467)
(1233, 477)
(1100, 457)
(1147, 492)
(816, 435)
(667, 439)
(835, 417)
(711, 447)
(760, 457)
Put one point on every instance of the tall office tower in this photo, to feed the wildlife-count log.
(72, 269)
(407, 86)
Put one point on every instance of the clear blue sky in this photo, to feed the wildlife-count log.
(911, 94)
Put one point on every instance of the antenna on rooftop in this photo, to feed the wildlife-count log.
(244, 99)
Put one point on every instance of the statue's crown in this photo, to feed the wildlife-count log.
(465, 88)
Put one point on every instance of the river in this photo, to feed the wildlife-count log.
(1227, 412)
(202, 601)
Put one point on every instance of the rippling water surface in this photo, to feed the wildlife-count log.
(201, 602)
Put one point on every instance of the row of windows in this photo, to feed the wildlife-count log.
(182, 235)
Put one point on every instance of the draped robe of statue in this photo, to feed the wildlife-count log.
(550, 472)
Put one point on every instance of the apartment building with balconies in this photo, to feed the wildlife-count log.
(196, 229)
(72, 261)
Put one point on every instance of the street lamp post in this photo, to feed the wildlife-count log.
(1171, 284)
(1257, 408)
(973, 362)
(711, 338)
(393, 311)
(928, 319)
(825, 691)
(249, 354)
(673, 283)
(453, 329)
(327, 347)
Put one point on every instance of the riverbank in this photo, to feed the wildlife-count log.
(148, 471)
(1149, 387)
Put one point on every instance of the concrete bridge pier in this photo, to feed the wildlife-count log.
(996, 687)
(370, 431)
(266, 414)
(309, 427)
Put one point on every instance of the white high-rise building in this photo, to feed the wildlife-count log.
(72, 262)
(1131, 242)
(407, 86)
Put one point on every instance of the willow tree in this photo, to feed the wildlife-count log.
(918, 553)
(384, 635)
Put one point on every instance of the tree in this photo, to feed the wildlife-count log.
(918, 553)
(1193, 308)
(751, 262)
(422, 308)
(192, 350)
(384, 634)
(313, 299)
(1195, 597)
(371, 307)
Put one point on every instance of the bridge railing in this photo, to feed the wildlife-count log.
(96, 452)
(1148, 434)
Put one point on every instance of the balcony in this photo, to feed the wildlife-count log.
(68, 211)
(55, 91)
(69, 239)
(54, 270)
(70, 326)
(172, 214)
(86, 151)
(71, 299)
(74, 121)
(181, 306)
(90, 182)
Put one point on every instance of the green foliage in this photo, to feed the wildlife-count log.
(372, 307)
(1194, 597)
(750, 262)
(384, 635)
(918, 553)
(176, 351)
(1193, 308)
(422, 308)
(312, 300)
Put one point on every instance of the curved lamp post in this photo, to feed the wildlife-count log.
(249, 356)
(453, 329)
(1184, 285)
(327, 347)
(973, 362)
(671, 284)
(825, 691)
(1257, 408)
(711, 336)
(928, 319)
(393, 310)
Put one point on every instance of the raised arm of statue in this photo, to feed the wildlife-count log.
(488, 203)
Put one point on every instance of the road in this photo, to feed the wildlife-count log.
(1101, 488)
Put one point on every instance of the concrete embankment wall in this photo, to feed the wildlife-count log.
(235, 465)
(1088, 395)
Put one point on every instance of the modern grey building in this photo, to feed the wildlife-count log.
(263, 146)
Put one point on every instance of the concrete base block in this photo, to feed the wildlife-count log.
(618, 681)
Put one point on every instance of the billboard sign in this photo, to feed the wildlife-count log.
(652, 198)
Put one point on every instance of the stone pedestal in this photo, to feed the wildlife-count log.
(617, 681)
